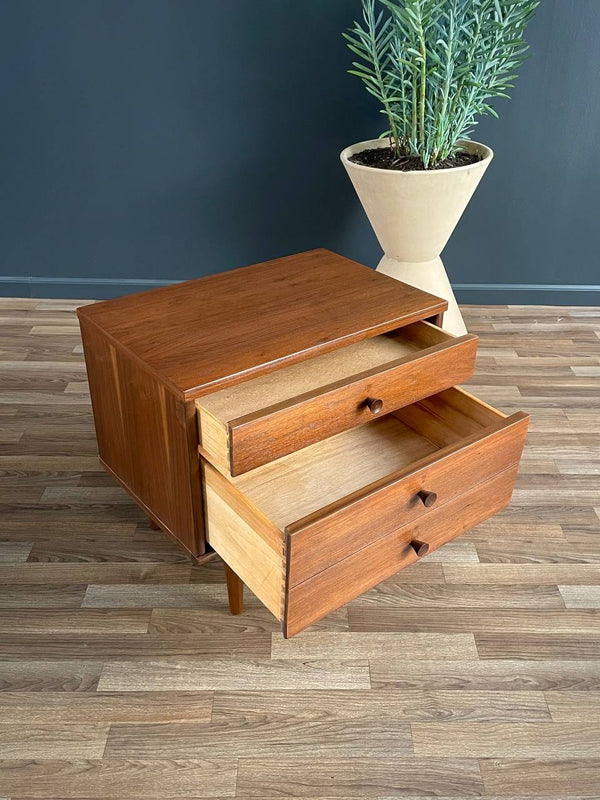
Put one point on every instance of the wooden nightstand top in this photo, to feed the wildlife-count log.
(210, 332)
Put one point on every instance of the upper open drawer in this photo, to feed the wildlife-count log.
(260, 420)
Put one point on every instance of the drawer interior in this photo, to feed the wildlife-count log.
(301, 483)
(217, 410)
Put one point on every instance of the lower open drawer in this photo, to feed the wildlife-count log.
(312, 530)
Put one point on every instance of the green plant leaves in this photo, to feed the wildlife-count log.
(435, 65)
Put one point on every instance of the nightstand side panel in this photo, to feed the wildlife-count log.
(146, 438)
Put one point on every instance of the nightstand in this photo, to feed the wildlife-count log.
(300, 418)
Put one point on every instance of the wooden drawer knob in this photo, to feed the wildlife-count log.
(420, 548)
(374, 404)
(427, 498)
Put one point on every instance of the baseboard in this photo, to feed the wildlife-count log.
(517, 294)
(76, 288)
(468, 293)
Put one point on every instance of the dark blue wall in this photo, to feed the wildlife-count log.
(153, 140)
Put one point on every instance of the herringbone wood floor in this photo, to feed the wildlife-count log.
(473, 673)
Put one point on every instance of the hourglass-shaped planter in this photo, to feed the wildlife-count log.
(413, 215)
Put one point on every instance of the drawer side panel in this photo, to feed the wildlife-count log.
(244, 541)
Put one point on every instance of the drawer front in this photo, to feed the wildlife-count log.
(316, 597)
(316, 543)
(276, 430)
(283, 429)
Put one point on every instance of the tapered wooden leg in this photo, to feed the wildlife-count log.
(235, 591)
(153, 525)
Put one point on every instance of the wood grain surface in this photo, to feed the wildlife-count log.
(473, 673)
(310, 600)
(214, 330)
(143, 438)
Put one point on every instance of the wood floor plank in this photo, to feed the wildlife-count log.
(498, 528)
(574, 706)
(507, 740)
(117, 779)
(54, 330)
(581, 596)
(522, 574)
(212, 571)
(134, 646)
(34, 398)
(75, 495)
(471, 596)
(460, 620)
(538, 466)
(218, 620)
(51, 740)
(75, 621)
(21, 527)
(55, 304)
(556, 778)
(262, 737)
(552, 553)
(99, 547)
(77, 387)
(43, 367)
(454, 553)
(49, 676)
(371, 645)
(425, 571)
(196, 595)
(408, 705)
(28, 708)
(96, 573)
(578, 468)
(359, 777)
(546, 513)
(538, 646)
(490, 675)
(14, 553)
(192, 675)
(42, 596)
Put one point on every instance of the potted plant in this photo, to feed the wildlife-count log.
(434, 66)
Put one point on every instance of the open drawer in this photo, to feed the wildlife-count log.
(260, 420)
(314, 529)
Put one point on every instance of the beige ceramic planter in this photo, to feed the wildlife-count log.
(413, 215)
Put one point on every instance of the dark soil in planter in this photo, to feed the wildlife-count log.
(383, 158)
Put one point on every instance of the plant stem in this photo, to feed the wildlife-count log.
(423, 85)
(443, 112)
(393, 128)
(414, 109)
(423, 94)
(453, 114)
(380, 80)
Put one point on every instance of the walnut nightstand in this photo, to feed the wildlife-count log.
(298, 418)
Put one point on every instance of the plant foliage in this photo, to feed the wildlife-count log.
(435, 65)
